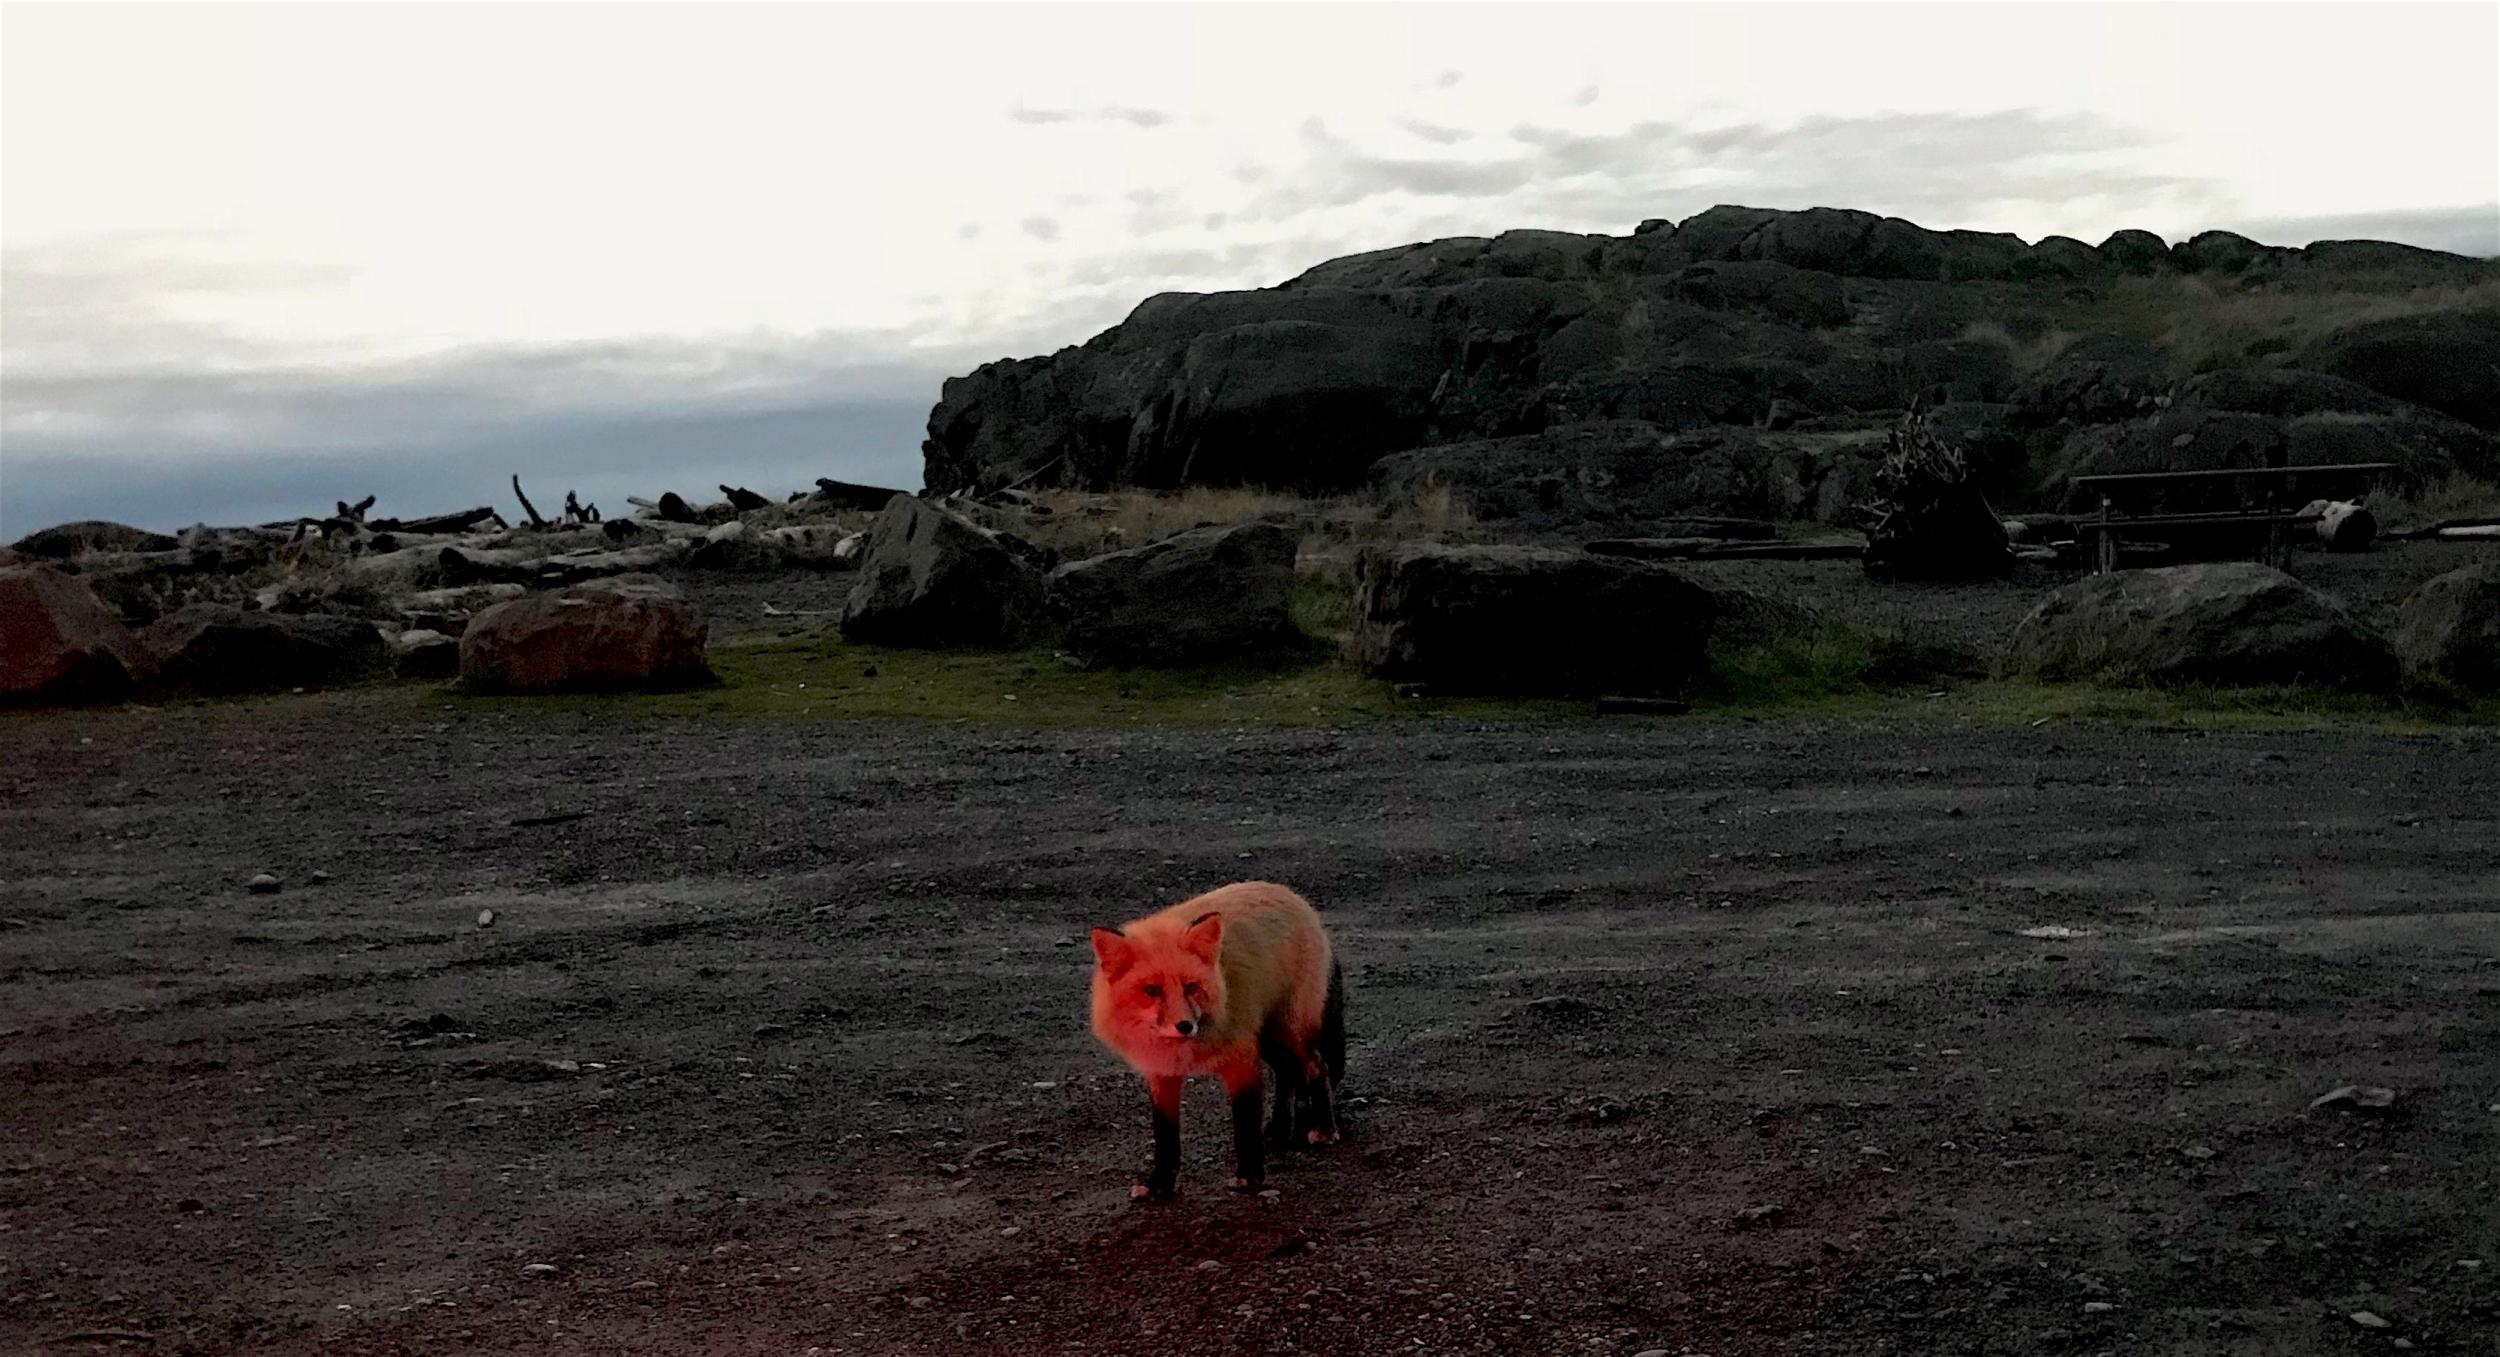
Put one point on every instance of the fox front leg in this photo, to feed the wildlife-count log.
(1165, 1094)
(1249, 1152)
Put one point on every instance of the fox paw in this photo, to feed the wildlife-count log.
(1319, 1137)
(1150, 1192)
(1247, 1184)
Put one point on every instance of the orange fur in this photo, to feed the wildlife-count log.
(1228, 964)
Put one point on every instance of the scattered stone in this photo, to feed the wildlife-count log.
(219, 648)
(2199, 1153)
(60, 643)
(486, 918)
(538, 1270)
(2356, 1097)
(1206, 594)
(2055, 932)
(1529, 620)
(263, 884)
(1759, 1215)
(2228, 623)
(2098, 1307)
(931, 577)
(2449, 630)
(919, 1302)
(2368, 1320)
(627, 632)
(423, 653)
(320, 878)
(1209, 1265)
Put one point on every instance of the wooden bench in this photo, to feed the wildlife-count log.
(2269, 497)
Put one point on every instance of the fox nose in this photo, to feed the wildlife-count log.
(1185, 1027)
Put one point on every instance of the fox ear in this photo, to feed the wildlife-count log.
(1112, 950)
(1205, 933)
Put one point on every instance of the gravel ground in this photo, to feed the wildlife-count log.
(1724, 1038)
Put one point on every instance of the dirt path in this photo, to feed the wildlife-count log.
(779, 1047)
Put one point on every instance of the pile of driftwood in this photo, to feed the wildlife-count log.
(437, 565)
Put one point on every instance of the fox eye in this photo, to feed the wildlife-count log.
(1190, 988)
(1154, 991)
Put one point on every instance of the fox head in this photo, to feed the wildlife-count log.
(1162, 984)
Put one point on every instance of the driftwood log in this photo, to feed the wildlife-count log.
(849, 495)
(440, 523)
(743, 499)
(536, 520)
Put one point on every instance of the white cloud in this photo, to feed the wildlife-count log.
(197, 193)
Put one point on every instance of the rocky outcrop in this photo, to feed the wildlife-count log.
(2449, 361)
(60, 644)
(1208, 594)
(931, 577)
(1628, 475)
(1525, 620)
(1737, 317)
(2449, 631)
(2235, 624)
(218, 648)
(624, 632)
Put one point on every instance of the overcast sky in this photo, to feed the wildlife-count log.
(261, 258)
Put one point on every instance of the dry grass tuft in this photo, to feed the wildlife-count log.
(2029, 356)
(2438, 502)
(2209, 324)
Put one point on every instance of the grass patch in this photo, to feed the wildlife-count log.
(2212, 323)
(1834, 672)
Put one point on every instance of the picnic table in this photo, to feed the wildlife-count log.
(2271, 498)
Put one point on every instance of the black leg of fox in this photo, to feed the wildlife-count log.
(1166, 1096)
(1319, 1119)
(1286, 1065)
(1249, 1152)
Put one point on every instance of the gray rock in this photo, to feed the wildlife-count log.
(69, 540)
(2449, 630)
(620, 633)
(217, 648)
(427, 654)
(1200, 595)
(2449, 361)
(1524, 620)
(931, 577)
(2135, 252)
(2224, 252)
(59, 643)
(262, 884)
(2100, 376)
(2230, 623)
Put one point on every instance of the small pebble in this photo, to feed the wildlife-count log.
(2367, 1320)
(263, 884)
(539, 1270)
(919, 1302)
(486, 918)
(1209, 1265)
(320, 878)
(2097, 1307)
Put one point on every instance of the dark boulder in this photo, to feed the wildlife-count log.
(423, 654)
(931, 577)
(2224, 252)
(2229, 623)
(218, 648)
(1528, 621)
(2135, 252)
(1207, 594)
(69, 540)
(2449, 631)
(2098, 377)
(2175, 440)
(60, 644)
(623, 632)
(2449, 361)
(2059, 257)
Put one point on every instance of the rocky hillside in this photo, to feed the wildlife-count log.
(1746, 360)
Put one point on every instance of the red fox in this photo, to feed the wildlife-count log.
(1216, 985)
